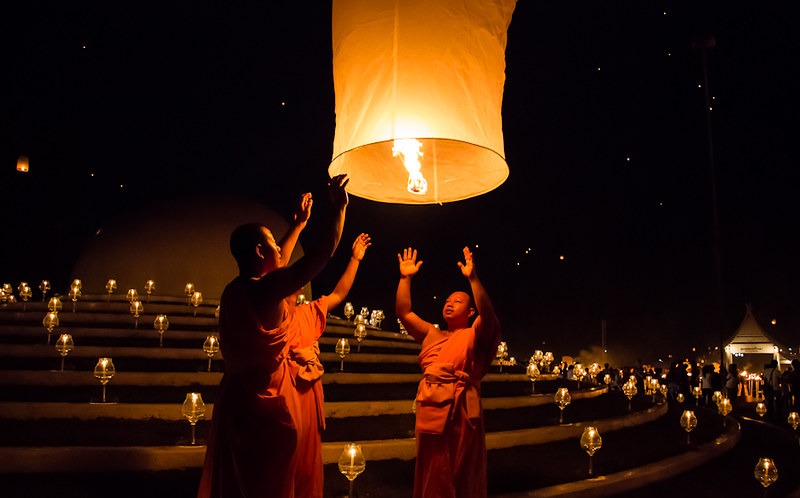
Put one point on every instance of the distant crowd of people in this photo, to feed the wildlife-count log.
(779, 388)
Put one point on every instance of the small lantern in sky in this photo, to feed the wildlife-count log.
(419, 92)
(23, 164)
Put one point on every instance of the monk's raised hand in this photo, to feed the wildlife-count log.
(336, 190)
(304, 209)
(409, 266)
(360, 246)
(468, 266)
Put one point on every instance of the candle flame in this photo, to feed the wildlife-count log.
(409, 150)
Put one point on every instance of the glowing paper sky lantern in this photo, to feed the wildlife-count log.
(23, 164)
(422, 83)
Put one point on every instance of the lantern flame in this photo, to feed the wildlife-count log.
(409, 150)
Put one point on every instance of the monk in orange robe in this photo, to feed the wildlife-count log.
(310, 320)
(253, 437)
(451, 443)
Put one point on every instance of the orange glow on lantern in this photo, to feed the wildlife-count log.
(419, 84)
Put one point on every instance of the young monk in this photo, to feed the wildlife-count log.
(451, 445)
(253, 438)
(310, 319)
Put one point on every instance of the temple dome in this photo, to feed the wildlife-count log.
(172, 242)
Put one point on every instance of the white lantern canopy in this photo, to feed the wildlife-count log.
(419, 91)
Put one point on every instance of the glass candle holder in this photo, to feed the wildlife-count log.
(697, 392)
(54, 304)
(111, 286)
(74, 294)
(64, 345)
(50, 322)
(161, 324)
(360, 333)
(44, 286)
(724, 407)
(188, 289)
(532, 371)
(25, 293)
(211, 347)
(342, 349)
(196, 300)
(688, 423)
(349, 310)
(193, 409)
(352, 463)
(793, 419)
(104, 371)
(136, 310)
(629, 389)
(149, 287)
(562, 399)
(132, 295)
(765, 472)
(591, 442)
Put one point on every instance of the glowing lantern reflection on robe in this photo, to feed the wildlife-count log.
(419, 84)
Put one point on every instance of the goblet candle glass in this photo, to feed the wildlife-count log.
(765, 472)
(193, 409)
(161, 324)
(562, 399)
(688, 422)
(533, 374)
(111, 286)
(64, 345)
(50, 322)
(44, 286)
(342, 349)
(74, 294)
(196, 300)
(211, 347)
(104, 371)
(352, 463)
(591, 442)
(149, 287)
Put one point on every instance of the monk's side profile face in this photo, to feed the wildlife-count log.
(457, 310)
(269, 252)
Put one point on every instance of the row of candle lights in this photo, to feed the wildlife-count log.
(765, 470)
(194, 296)
(65, 344)
(360, 322)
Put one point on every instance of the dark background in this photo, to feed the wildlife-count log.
(123, 104)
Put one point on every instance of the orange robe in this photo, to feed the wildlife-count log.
(451, 444)
(256, 425)
(310, 320)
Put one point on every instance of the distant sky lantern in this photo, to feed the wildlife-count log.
(419, 84)
(23, 164)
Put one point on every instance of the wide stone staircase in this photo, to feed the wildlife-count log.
(59, 438)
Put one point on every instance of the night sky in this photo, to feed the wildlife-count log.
(122, 104)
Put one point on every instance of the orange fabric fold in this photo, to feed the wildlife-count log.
(442, 388)
(308, 360)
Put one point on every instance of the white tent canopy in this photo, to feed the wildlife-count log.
(751, 339)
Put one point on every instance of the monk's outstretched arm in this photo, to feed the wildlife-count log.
(345, 282)
(285, 281)
(409, 266)
(299, 221)
(487, 321)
